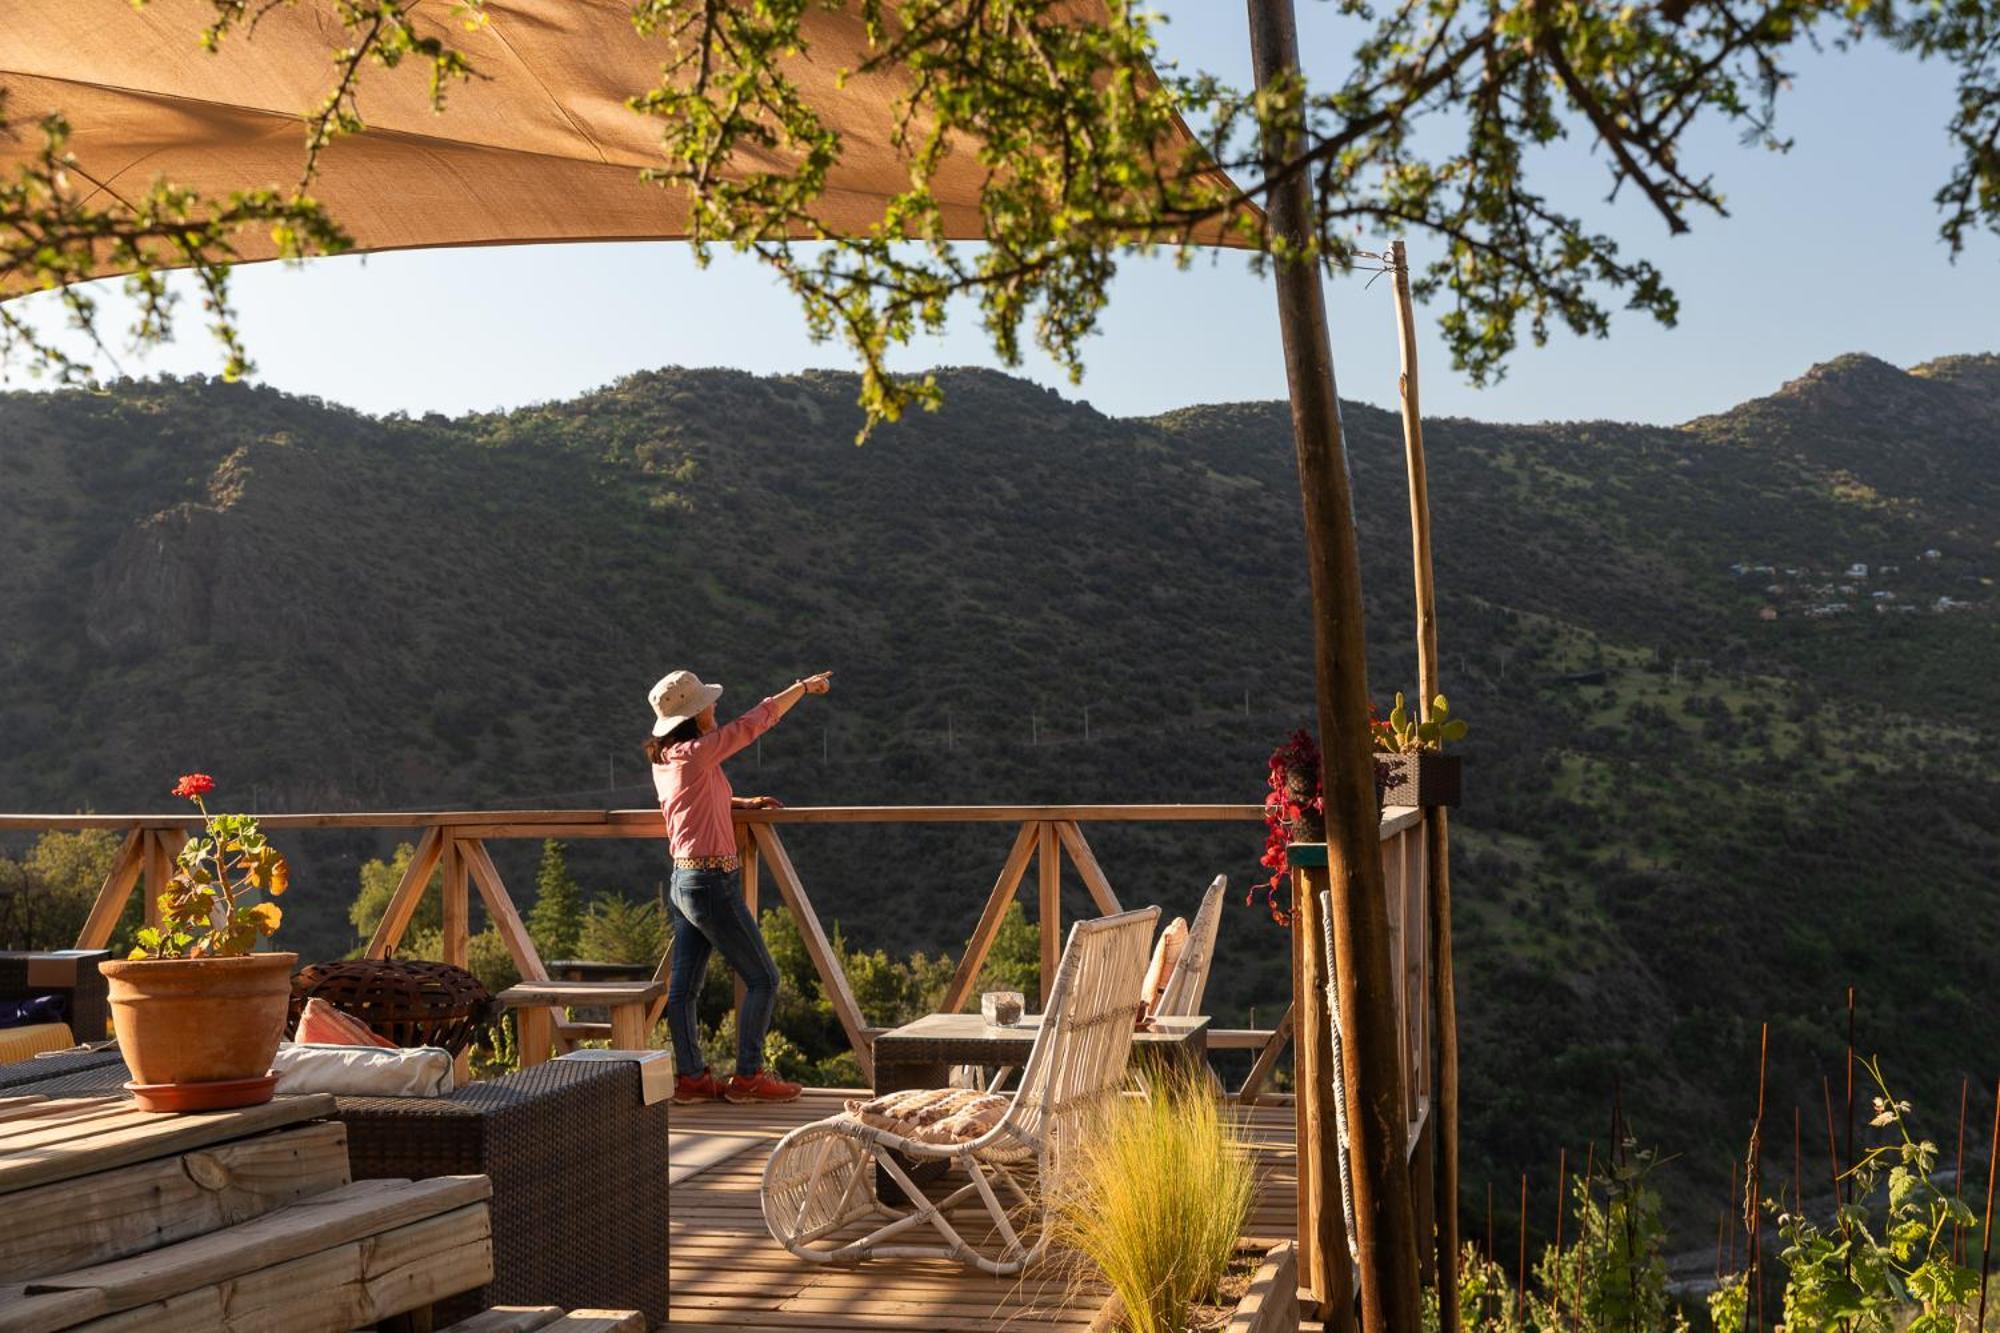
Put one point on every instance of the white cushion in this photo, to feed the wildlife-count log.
(363, 1071)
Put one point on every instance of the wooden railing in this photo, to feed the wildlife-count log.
(454, 843)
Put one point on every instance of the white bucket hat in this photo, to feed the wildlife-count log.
(678, 696)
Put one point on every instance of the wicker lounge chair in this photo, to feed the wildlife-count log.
(1181, 997)
(818, 1182)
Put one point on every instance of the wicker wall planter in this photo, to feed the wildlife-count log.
(1422, 779)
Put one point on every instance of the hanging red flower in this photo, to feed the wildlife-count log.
(1294, 811)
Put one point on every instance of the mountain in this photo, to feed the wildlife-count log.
(1718, 771)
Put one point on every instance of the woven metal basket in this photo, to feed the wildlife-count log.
(407, 1000)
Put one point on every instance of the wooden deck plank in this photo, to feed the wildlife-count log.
(726, 1269)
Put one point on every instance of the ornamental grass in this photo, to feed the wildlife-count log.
(1156, 1201)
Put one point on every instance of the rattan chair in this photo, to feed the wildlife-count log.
(819, 1182)
(1181, 996)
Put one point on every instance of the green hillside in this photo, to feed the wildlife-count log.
(1683, 818)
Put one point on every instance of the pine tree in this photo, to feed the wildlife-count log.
(556, 923)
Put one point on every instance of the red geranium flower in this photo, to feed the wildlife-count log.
(192, 786)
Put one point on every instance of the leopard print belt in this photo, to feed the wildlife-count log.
(729, 862)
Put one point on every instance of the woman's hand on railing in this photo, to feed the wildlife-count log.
(756, 803)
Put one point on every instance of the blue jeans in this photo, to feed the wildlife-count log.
(709, 914)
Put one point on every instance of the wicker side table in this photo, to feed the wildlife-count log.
(70, 973)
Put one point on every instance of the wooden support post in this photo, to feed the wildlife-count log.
(1322, 1227)
(158, 872)
(534, 1033)
(1087, 868)
(116, 889)
(501, 911)
(457, 904)
(403, 902)
(1437, 832)
(1049, 863)
(1267, 1059)
(838, 991)
(1385, 1220)
(457, 930)
(749, 858)
(997, 903)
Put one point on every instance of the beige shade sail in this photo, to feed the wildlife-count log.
(539, 147)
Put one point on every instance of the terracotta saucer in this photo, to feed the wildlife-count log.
(216, 1096)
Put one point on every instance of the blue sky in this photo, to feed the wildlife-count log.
(1831, 248)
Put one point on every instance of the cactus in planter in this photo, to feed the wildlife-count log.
(1402, 734)
(1420, 773)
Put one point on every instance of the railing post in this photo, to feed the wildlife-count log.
(457, 905)
(749, 859)
(1324, 1269)
(1049, 863)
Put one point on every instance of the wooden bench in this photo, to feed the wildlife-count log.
(126, 1219)
(631, 1004)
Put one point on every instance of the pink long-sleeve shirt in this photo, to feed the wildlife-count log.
(694, 794)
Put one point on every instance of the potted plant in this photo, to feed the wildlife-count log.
(197, 1014)
(1294, 811)
(1419, 771)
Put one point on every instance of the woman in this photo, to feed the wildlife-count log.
(686, 750)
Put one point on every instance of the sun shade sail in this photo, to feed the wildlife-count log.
(539, 147)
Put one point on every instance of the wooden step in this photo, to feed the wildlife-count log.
(67, 1138)
(339, 1239)
(348, 1286)
(529, 1318)
(112, 1214)
(508, 1319)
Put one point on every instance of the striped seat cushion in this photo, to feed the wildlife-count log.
(24, 1043)
(933, 1115)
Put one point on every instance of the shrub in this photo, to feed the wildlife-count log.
(1155, 1201)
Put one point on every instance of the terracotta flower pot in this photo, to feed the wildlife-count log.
(201, 1020)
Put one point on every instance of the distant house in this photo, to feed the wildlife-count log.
(1767, 613)
(1933, 554)
(1857, 570)
(1949, 604)
(1883, 595)
(1886, 570)
(1829, 609)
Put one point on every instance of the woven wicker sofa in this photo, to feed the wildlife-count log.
(578, 1164)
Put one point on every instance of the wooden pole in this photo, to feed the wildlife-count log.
(1385, 1224)
(1324, 1269)
(1986, 1228)
(1437, 829)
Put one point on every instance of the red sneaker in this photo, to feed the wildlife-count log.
(690, 1089)
(758, 1087)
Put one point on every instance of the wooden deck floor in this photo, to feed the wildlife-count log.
(726, 1269)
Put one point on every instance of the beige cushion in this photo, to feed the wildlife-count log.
(362, 1071)
(1165, 954)
(932, 1115)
